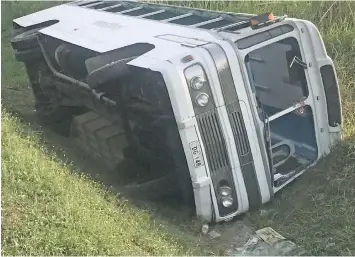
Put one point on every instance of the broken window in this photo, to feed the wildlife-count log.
(276, 74)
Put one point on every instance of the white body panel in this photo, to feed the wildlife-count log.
(102, 32)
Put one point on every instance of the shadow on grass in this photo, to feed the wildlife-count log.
(168, 210)
(317, 210)
(66, 152)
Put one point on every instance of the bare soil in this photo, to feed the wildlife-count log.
(169, 211)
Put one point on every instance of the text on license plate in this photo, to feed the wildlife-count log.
(196, 154)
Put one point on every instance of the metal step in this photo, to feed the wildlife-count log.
(110, 7)
(212, 20)
(206, 22)
(151, 13)
(130, 10)
(178, 17)
(231, 26)
(93, 4)
(85, 3)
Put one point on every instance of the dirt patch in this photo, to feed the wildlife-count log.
(169, 211)
(233, 238)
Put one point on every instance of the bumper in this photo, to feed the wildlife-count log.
(201, 181)
(207, 206)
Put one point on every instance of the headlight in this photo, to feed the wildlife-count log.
(227, 201)
(225, 191)
(202, 99)
(197, 83)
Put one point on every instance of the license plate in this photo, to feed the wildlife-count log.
(196, 154)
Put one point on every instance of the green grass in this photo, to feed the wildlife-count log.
(317, 211)
(47, 210)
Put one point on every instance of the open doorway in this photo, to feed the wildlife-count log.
(278, 81)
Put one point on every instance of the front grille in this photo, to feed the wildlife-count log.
(213, 140)
(238, 128)
(217, 156)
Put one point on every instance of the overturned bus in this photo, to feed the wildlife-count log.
(233, 106)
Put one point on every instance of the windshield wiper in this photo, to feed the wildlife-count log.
(299, 61)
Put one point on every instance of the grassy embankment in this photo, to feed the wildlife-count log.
(317, 211)
(47, 209)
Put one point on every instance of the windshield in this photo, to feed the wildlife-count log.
(276, 74)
